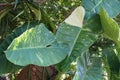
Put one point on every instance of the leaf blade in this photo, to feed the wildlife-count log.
(37, 44)
(92, 71)
(110, 27)
(81, 40)
(92, 7)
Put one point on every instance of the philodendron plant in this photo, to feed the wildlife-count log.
(94, 46)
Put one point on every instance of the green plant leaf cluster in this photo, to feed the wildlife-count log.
(93, 46)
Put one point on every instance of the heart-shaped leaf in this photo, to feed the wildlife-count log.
(34, 47)
(7, 66)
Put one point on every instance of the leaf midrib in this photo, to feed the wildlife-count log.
(35, 48)
(74, 43)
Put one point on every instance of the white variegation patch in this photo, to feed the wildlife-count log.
(76, 18)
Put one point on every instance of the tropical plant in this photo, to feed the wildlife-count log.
(85, 46)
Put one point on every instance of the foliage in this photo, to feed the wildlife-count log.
(87, 71)
(37, 42)
(80, 51)
(93, 6)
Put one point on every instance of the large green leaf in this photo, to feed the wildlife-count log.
(87, 70)
(93, 6)
(7, 66)
(17, 32)
(110, 27)
(79, 40)
(34, 47)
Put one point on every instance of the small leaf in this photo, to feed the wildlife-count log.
(36, 11)
(110, 27)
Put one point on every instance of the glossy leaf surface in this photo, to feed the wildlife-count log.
(110, 27)
(93, 6)
(87, 70)
(34, 47)
(7, 66)
(79, 39)
(16, 32)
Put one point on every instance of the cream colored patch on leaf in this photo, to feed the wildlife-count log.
(76, 18)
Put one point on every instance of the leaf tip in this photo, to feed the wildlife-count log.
(77, 16)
